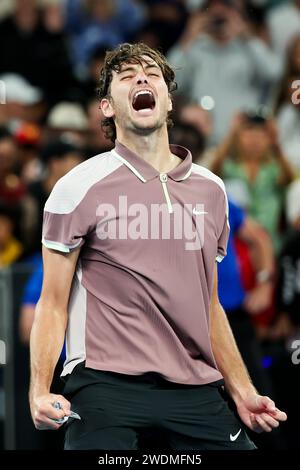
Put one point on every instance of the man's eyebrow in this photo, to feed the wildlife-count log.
(151, 66)
(127, 69)
(133, 69)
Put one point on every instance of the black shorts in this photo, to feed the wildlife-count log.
(116, 409)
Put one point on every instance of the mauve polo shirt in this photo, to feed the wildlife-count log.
(140, 296)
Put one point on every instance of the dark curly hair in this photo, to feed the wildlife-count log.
(130, 53)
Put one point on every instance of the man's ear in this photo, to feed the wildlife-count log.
(170, 103)
(106, 108)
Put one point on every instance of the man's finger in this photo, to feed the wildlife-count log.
(279, 415)
(65, 404)
(264, 426)
(43, 422)
(48, 410)
(254, 425)
(273, 423)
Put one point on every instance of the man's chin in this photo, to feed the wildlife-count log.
(146, 128)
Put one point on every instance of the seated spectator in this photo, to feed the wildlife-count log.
(221, 65)
(10, 248)
(255, 170)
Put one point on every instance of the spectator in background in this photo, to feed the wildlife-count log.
(92, 23)
(59, 158)
(239, 304)
(292, 72)
(68, 120)
(31, 295)
(10, 248)
(242, 306)
(95, 64)
(187, 134)
(192, 113)
(254, 169)
(96, 142)
(22, 101)
(167, 20)
(28, 138)
(222, 65)
(37, 49)
(284, 24)
(289, 270)
(288, 106)
(12, 189)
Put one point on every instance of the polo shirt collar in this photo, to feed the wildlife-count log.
(145, 172)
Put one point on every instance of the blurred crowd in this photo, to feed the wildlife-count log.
(237, 109)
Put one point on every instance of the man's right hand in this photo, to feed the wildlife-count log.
(43, 412)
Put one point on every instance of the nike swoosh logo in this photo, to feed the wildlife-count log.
(234, 438)
(195, 212)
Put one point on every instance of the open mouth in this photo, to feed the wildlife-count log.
(142, 100)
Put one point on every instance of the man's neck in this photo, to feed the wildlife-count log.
(154, 149)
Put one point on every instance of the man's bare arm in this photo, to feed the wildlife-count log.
(262, 255)
(257, 412)
(47, 336)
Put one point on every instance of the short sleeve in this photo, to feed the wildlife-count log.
(67, 218)
(224, 228)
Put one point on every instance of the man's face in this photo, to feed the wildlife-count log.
(255, 141)
(8, 155)
(139, 98)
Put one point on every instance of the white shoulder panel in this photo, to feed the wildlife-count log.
(69, 190)
(202, 171)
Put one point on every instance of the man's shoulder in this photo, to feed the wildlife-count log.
(90, 171)
(72, 188)
(208, 175)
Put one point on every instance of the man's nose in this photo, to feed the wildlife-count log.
(141, 78)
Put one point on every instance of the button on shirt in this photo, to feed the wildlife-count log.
(141, 292)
